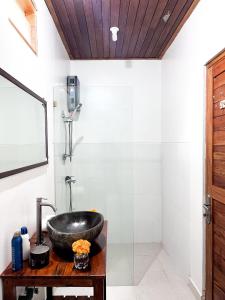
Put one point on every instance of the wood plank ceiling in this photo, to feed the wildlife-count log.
(144, 32)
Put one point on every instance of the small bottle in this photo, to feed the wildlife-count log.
(25, 242)
(17, 252)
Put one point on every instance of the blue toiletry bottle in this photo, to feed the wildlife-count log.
(17, 252)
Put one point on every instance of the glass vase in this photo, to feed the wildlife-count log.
(81, 261)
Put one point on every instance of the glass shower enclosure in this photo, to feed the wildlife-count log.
(93, 153)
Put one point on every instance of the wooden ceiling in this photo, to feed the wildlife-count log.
(84, 26)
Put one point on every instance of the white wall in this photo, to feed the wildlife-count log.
(120, 153)
(183, 102)
(39, 73)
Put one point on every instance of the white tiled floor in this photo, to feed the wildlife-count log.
(128, 263)
(160, 282)
(154, 275)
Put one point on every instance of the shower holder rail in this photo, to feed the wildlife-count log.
(68, 122)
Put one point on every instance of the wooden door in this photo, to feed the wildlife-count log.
(215, 202)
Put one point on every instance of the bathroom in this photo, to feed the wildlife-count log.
(138, 152)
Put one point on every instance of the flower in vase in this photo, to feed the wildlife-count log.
(81, 247)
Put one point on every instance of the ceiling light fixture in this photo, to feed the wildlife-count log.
(166, 16)
(114, 31)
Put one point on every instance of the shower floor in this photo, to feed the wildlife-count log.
(159, 282)
(128, 263)
(149, 274)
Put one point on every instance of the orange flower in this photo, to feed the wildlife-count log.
(81, 247)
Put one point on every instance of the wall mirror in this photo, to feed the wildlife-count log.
(23, 127)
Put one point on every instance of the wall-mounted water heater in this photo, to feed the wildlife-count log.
(73, 93)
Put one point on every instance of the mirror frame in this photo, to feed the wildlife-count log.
(44, 103)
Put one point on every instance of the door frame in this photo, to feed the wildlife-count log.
(208, 231)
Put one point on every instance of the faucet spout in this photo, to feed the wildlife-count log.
(39, 205)
(50, 205)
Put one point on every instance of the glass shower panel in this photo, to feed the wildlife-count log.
(102, 164)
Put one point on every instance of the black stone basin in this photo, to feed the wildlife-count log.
(64, 229)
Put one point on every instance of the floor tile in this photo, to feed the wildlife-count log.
(154, 272)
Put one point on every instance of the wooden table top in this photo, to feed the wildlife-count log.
(58, 267)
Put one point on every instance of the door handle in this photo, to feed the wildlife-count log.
(207, 207)
(207, 210)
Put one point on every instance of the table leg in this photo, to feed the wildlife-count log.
(49, 293)
(105, 289)
(99, 291)
(9, 290)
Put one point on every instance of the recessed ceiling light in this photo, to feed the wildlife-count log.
(114, 31)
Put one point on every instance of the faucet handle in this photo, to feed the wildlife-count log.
(39, 199)
(70, 179)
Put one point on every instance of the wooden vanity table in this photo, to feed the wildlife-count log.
(60, 273)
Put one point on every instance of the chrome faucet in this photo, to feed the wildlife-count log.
(39, 205)
(70, 179)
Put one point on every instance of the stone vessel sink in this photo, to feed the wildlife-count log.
(66, 228)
